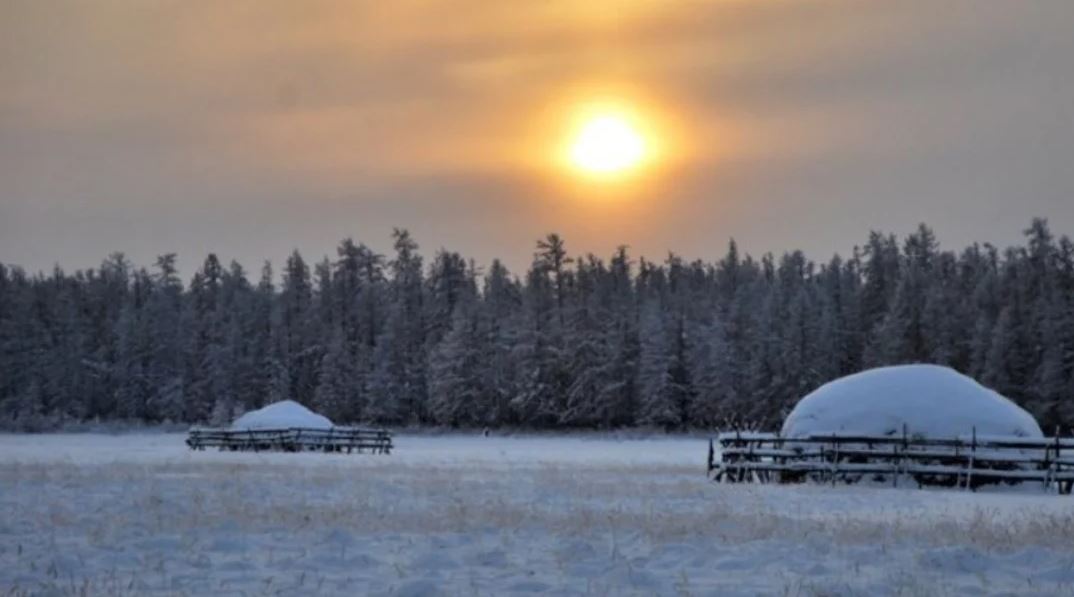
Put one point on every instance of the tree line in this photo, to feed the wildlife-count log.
(580, 342)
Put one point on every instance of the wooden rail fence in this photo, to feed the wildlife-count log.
(968, 462)
(336, 439)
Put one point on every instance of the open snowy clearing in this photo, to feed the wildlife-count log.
(460, 515)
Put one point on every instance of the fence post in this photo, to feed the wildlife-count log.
(1058, 464)
(835, 459)
(1053, 468)
(973, 458)
(751, 475)
(895, 465)
(780, 460)
(905, 449)
(738, 458)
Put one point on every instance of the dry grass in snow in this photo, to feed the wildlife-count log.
(470, 516)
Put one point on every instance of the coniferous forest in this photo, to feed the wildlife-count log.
(574, 342)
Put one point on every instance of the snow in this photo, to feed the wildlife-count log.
(460, 514)
(932, 401)
(284, 414)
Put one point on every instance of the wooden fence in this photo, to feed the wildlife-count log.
(336, 439)
(968, 462)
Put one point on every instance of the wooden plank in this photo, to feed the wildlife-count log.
(965, 441)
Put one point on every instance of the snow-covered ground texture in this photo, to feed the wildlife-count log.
(285, 414)
(460, 515)
(932, 401)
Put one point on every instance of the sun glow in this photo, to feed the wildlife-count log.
(607, 144)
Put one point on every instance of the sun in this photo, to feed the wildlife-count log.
(607, 144)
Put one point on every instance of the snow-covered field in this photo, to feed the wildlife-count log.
(460, 515)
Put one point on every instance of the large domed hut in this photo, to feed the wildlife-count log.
(285, 414)
(929, 400)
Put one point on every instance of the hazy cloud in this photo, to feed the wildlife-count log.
(250, 128)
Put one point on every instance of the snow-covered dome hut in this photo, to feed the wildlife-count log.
(932, 401)
(284, 414)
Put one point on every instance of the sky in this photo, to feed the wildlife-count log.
(251, 128)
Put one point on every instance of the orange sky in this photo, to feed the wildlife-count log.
(253, 127)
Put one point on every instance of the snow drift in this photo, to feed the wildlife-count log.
(932, 401)
(282, 415)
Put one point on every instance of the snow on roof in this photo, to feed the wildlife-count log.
(282, 415)
(932, 401)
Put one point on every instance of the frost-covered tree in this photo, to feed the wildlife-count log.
(338, 385)
(134, 352)
(662, 375)
(457, 392)
(501, 314)
(299, 334)
(164, 318)
(397, 383)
